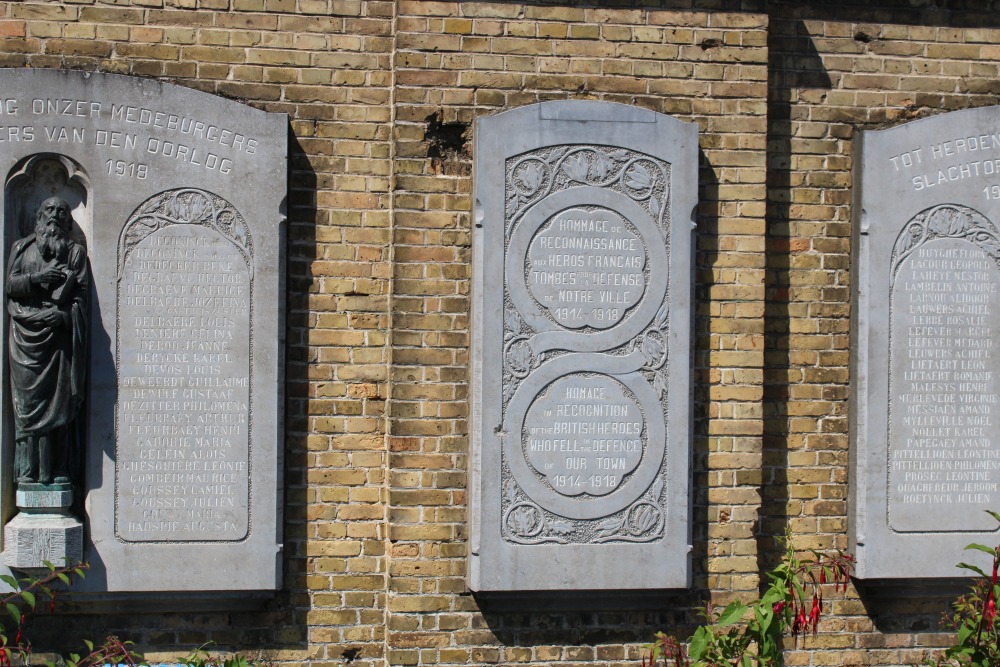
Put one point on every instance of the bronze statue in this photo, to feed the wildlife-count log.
(48, 288)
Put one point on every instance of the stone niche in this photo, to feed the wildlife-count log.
(179, 198)
(925, 385)
(581, 400)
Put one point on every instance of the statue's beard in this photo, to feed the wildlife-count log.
(51, 245)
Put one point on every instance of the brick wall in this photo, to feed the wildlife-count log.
(327, 65)
(382, 97)
(455, 62)
(833, 71)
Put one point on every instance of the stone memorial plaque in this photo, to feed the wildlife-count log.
(581, 348)
(925, 390)
(184, 378)
(178, 197)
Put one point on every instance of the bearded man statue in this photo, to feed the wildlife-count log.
(48, 288)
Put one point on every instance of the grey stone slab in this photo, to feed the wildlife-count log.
(189, 365)
(925, 449)
(43, 496)
(179, 197)
(581, 364)
(32, 539)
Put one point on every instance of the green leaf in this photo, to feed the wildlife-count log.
(979, 547)
(732, 614)
(89, 644)
(699, 642)
(993, 514)
(765, 615)
(29, 598)
(966, 566)
(15, 613)
(62, 577)
(9, 580)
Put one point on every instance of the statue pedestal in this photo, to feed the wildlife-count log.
(43, 530)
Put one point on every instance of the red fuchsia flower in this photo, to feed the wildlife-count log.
(801, 622)
(822, 575)
(814, 614)
(779, 607)
(991, 610)
(846, 564)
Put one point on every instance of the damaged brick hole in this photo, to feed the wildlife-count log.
(915, 111)
(863, 37)
(447, 146)
(710, 43)
(350, 655)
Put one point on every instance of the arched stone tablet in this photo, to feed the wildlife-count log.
(581, 348)
(925, 388)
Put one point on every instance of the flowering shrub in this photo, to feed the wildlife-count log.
(973, 616)
(22, 602)
(116, 652)
(202, 658)
(112, 652)
(751, 634)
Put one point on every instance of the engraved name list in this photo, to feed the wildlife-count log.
(944, 394)
(184, 377)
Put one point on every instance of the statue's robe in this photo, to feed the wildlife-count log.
(48, 364)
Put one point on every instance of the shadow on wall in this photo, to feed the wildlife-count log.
(795, 67)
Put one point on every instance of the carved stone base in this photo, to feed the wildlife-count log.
(44, 496)
(30, 539)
